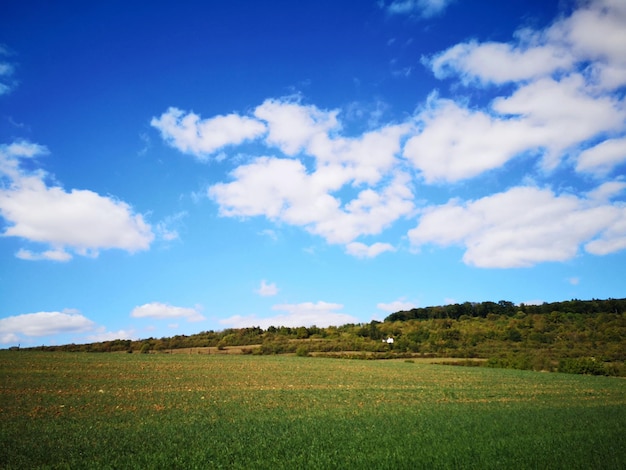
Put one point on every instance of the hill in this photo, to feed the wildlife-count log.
(570, 336)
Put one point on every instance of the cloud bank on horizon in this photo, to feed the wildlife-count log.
(556, 106)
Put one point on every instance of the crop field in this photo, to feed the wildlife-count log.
(81, 410)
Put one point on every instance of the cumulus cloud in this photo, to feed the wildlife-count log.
(190, 134)
(42, 324)
(557, 115)
(160, 311)
(267, 290)
(283, 190)
(80, 221)
(457, 143)
(523, 226)
(286, 190)
(307, 314)
(498, 63)
(553, 103)
(595, 34)
(292, 125)
(564, 77)
(544, 117)
(396, 306)
(589, 39)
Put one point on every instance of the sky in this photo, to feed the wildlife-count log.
(168, 168)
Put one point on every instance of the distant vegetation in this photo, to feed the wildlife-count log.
(573, 336)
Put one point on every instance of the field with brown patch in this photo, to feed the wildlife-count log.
(236, 411)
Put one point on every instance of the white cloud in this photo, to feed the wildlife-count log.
(80, 220)
(596, 33)
(564, 77)
(361, 250)
(606, 191)
(24, 148)
(292, 126)
(590, 39)
(554, 101)
(50, 255)
(396, 306)
(557, 115)
(265, 187)
(267, 290)
(364, 159)
(103, 335)
(456, 143)
(307, 314)
(613, 236)
(282, 190)
(9, 338)
(162, 311)
(523, 226)
(43, 324)
(11, 154)
(498, 62)
(424, 8)
(285, 190)
(546, 117)
(201, 138)
(602, 158)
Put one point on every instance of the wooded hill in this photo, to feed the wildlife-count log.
(571, 336)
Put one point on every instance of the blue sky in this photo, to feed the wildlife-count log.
(173, 167)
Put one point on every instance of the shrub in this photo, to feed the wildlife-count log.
(302, 351)
(583, 365)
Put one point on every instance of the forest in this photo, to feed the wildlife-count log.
(574, 336)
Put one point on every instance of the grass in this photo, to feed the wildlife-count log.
(60, 410)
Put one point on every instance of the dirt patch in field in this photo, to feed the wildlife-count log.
(250, 349)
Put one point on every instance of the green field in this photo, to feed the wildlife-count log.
(64, 410)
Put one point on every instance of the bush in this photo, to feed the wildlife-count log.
(583, 365)
(302, 351)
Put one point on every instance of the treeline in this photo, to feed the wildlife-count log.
(572, 336)
(504, 307)
(273, 340)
